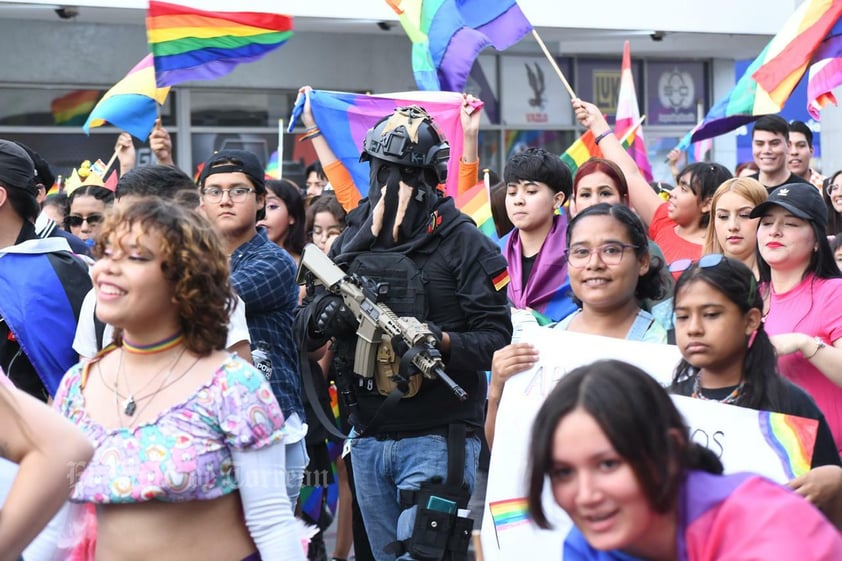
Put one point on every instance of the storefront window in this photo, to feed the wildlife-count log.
(239, 108)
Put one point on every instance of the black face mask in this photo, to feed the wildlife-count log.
(420, 205)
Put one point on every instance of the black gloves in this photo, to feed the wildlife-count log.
(331, 318)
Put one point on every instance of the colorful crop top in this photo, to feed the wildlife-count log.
(185, 453)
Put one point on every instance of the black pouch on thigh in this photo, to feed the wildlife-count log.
(439, 533)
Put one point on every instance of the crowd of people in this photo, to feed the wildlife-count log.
(188, 352)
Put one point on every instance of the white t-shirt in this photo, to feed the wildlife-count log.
(85, 343)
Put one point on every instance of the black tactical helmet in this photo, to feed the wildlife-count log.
(408, 137)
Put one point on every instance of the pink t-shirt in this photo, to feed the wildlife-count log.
(674, 247)
(813, 307)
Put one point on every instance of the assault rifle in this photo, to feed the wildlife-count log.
(377, 323)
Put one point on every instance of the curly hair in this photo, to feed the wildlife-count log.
(192, 260)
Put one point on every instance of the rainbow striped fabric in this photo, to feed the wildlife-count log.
(509, 513)
(793, 439)
(190, 43)
(72, 109)
(273, 168)
(628, 115)
(132, 104)
(825, 72)
(771, 77)
(448, 35)
(585, 147)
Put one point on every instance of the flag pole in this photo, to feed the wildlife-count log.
(553, 63)
(633, 129)
(110, 163)
(280, 148)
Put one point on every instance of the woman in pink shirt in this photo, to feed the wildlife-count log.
(803, 295)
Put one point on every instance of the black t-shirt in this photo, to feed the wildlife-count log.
(526, 267)
(795, 402)
(789, 180)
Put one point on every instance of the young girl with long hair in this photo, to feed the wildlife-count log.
(728, 357)
(620, 462)
(284, 218)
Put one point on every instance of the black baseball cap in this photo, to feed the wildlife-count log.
(801, 199)
(232, 161)
(43, 172)
(16, 167)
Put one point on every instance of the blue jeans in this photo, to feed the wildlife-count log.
(296, 460)
(383, 468)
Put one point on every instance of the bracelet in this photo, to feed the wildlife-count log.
(310, 134)
(820, 344)
(603, 135)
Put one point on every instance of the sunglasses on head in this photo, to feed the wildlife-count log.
(75, 221)
(712, 260)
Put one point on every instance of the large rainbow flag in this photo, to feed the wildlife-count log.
(771, 77)
(191, 43)
(448, 35)
(344, 118)
(72, 109)
(132, 104)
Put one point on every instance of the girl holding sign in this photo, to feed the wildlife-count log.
(620, 462)
(610, 273)
(729, 358)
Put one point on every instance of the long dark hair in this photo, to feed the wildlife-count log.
(822, 263)
(290, 194)
(834, 219)
(638, 418)
(649, 285)
(705, 178)
(764, 388)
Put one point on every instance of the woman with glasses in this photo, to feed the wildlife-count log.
(832, 194)
(802, 289)
(610, 271)
(86, 209)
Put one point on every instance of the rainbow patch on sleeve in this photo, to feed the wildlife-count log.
(793, 439)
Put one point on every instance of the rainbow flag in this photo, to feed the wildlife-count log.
(273, 170)
(585, 147)
(344, 118)
(509, 513)
(825, 72)
(189, 43)
(71, 109)
(448, 35)
(793, 439)
(132, 103)
(628, 115)
(475, 203)
(770, 78)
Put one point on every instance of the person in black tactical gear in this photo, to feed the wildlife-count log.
(418, 442)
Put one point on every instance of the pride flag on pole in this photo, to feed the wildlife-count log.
(132, 104)
(771, 77)
(628, 115)
(190, 43)
(448, 35)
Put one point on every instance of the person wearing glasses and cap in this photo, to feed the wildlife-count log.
(41, 281)
(233, 195)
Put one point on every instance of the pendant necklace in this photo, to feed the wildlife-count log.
(130, 402)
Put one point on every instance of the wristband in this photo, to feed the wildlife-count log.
(820, 344)
(603, 135)
(310, 134)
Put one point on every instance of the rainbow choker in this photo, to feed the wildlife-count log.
(153, 348)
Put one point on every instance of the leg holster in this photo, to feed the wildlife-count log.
(439, 533)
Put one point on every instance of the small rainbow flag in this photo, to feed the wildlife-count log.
(793, 439)
(509, 513)
(585, 147)
(190, 43)
(132, 103)
(474, 202)
(72, 109)
(273, 170)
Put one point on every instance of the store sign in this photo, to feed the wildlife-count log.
(675, 90)
(599, 82)
(532, 92)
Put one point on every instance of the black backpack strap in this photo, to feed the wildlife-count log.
(99, 329)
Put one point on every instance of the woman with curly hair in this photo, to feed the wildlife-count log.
(169, 412)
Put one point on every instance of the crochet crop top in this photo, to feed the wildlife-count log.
(184, 454)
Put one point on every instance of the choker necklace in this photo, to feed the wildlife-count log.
(154, 348)
(730, 398)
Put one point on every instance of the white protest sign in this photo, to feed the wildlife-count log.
(745, 440)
